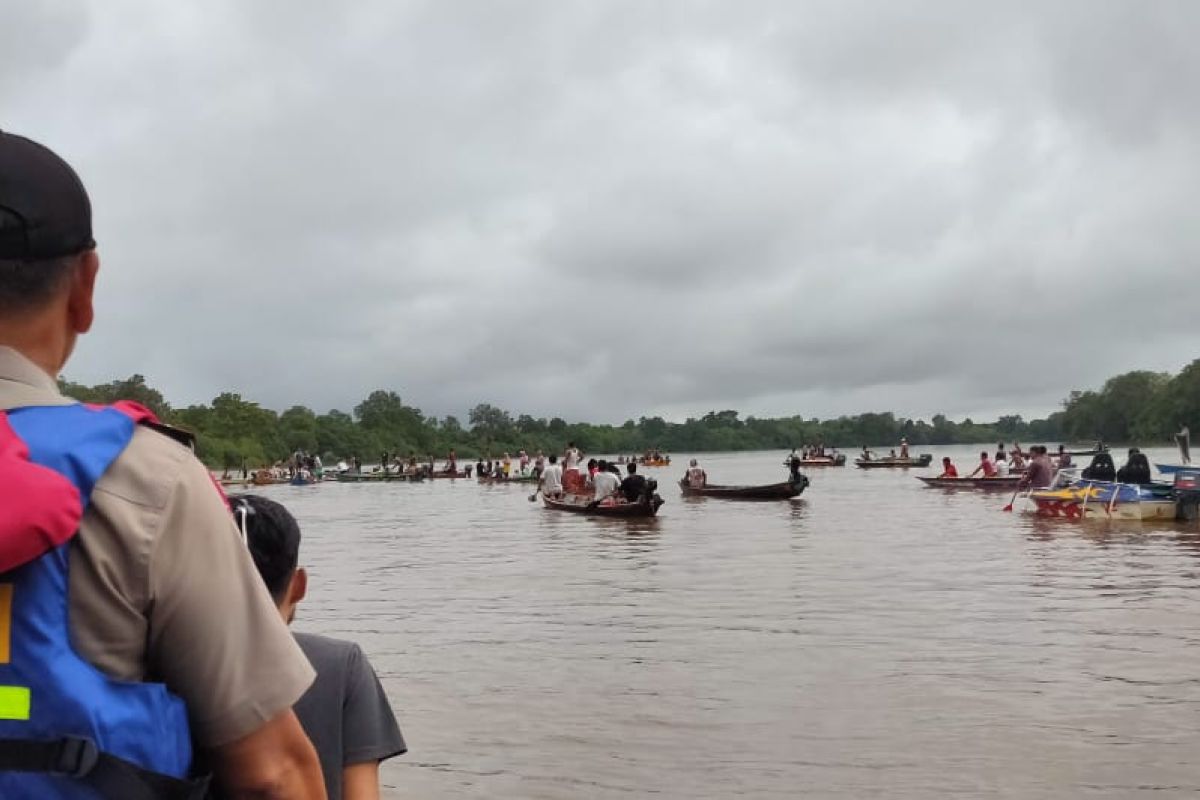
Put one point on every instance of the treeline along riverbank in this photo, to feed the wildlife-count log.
(1141, 407)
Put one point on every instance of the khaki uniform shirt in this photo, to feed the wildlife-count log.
(162, 588)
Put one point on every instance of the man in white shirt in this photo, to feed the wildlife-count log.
(604, 483)
(551, 481)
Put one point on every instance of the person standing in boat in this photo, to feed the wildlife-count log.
(1184, 440)
(696, 476)
(1000, 454)
(793, 465)
(866, 454)
(539, 464)
(948, 468)
(903, 447)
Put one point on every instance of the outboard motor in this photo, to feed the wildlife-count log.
(1101, 469)
(648, 494)
(1187, 495)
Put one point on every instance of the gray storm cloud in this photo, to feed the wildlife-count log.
(605, 210)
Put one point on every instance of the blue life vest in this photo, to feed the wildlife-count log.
(67, 731)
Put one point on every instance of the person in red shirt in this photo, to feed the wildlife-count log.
(948, 469)
(985, 466)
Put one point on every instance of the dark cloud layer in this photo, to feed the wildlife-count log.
(603, 210)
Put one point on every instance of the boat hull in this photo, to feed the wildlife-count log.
(377, 477)
(621, 510)
(1103, 500)
(923, 460)
(839, 461)
(979, 484)
(772, 491)
(522, 479)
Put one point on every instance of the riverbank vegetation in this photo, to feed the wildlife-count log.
(1141, 407)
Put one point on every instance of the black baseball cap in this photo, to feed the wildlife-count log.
(44, 209)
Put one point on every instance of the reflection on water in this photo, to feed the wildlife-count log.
(873, 638)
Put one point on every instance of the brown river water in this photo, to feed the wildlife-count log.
(874, 638)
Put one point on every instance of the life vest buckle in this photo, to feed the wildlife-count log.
(77, 757)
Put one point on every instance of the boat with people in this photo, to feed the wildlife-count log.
(382, 476)
(1087, 499)
(838, 460)
(894, 462)
(490, 479)
(998, 483)
(769, 491)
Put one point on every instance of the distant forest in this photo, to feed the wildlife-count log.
(1137, 407)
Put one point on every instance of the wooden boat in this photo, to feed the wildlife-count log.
(769, 491)
(489, 479)
(1004, 483)
(379, 477)
(446, 474)
(581, 504)
(1102, 499)
(655, 462)
(824, 461)
(922, 460)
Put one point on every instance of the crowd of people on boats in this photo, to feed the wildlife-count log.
(599, 482)
(1038, 468)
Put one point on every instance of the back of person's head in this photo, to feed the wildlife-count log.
(632, 467)
(945, 459)
(983, 456)
(553, 458)
(273, 538)
(45, 225)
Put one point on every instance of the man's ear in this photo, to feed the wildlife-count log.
(82, 289)
(298, 587)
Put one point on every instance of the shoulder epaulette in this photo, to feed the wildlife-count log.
(185, 438)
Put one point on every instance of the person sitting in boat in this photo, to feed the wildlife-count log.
(696, 476)
(985, 466)
(480, 468)
(634, 485)
(551, 480)
(1136, 469)
(1000, 454)
(1040, 474)
(866, 454)
(1001, 469)
(948, 468)
(604, 484)
(1064, 458)
(903, 447)
(1016, 461)
(892, 454)
(1101, 469)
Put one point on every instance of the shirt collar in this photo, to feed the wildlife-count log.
(18, 370)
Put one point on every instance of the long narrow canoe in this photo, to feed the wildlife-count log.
(378, 477)
(1002, 483)
(584, 506)
(769, 491)
(824, 461)
(459, 474)
(514, 479)
(922, 460)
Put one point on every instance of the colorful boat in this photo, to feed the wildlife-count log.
(923, 460)
(1005, 483)
(1102, 499)
(769, 491)
(1171, 469)
(580, 504)
(655, 462)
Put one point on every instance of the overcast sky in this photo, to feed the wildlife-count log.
(602, 210)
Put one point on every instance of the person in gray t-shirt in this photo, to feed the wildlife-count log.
(345, 712)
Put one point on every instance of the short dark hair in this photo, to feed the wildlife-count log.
(553, 458)
(632, 467)
(273, 538)
(27, 285)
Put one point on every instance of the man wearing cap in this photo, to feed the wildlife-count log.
(133, 626)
